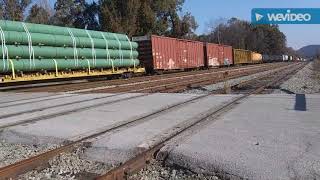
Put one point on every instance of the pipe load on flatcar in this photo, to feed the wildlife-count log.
(46, 51)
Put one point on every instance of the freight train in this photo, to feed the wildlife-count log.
(40, 52)
(158, 53)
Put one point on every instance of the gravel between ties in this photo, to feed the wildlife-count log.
(69, 166)
(155, 171)
(11, 153)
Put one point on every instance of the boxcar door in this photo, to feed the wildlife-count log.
(227, 56)
(183, 54)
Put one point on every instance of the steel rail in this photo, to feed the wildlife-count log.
(173, 87)
(171, 79)
(78, 86)
(145, 156)
(181, 81)
(92, 99)
(41, 160)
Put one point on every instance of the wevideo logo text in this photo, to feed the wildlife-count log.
(285, 16)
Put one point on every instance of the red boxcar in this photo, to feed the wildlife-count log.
(218, 55)
(164, 53)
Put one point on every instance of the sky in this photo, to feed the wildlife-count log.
(206, 11)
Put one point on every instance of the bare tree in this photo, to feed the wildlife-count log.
(14, 9)
(40, 13)
(45, 5)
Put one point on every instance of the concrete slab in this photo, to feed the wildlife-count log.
(32, 100)
(75, 125)
(118, 147)
(13, 97)
(265, 137)
(58, 109)
(46, 102)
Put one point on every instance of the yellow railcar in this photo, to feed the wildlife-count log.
(241, 56)
(256, 57)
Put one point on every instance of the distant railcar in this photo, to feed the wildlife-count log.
(276, 58)
(256, 57)
(266, 58)
(158, 53)
(217, 55)
(241, 56)
(285, 58)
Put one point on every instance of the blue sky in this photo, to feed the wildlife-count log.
(206, 11)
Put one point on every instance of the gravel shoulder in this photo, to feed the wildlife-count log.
(306, 81)
(228, 83)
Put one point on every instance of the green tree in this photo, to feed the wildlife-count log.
(87, 18)
(67, 12)
(119, 16)
(188, 26)
(140, 17)
(265, 39)
(146, 19)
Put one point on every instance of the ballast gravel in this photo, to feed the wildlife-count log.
(306, 81)
(230, 82)
(11, 153)
(155, 171)
(68, 166)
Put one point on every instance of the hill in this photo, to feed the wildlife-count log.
(309, 51)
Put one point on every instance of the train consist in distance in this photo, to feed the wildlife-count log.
(32, 52)
(158, 53)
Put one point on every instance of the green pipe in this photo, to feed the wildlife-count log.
(13, 37)
(56, 30)
(23, 65)
(16, 52)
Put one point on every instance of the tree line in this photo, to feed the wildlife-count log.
(265, 39)
(133, 17)
(143, 17)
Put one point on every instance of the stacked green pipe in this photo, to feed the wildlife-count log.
(36, 47)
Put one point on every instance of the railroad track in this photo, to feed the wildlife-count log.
(148, 149)
(138, 85)
(177, 84)
(169, 81)
(171, 87)
(34, 100)
(151, 147)
(100, 85)
(247, 85)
